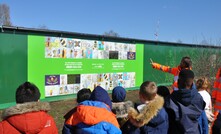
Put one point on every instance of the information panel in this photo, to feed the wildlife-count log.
(62, 66)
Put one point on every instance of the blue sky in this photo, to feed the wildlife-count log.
(190, 21)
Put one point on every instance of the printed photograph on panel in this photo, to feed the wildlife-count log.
(78, 53)
(127, 83)
(113, 54)
(95, 45)
(106, 76)
(126, 47)
(111, 85)
(125, 76)
(94, 78)
(100, 45)
(122, 55)
(131, 55)
(52, 90)
(70, 43)
(95, 54)
(76, 88)
(106, 46)
(100, 54)
(88, 54)
(119, 46)
(70, 88)
(61, 89)
(86, 44)
(70, 53)
(112, 46)
(55, 42)
(121, 82)
(114, 78)
(132, 48)
(63, 42)
(77, 44)
(73, 78)
(63, 79)
(52, 42)
(100, 78)
(106, 54)
(51, 80)
(48, 52)
(63, 52)
(86, 81)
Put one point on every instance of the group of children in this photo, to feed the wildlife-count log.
(187, 109)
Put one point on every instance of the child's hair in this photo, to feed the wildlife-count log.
(148, 89)
(186, 61)
(163, 91)
(186, 78)
(83, 94)
(203, 83)
(27, 92)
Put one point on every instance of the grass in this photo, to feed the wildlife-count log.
(59, 108)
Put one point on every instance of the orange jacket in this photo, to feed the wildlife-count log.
(28, 118)
(175, 71)
(92, 115)
(216, 93)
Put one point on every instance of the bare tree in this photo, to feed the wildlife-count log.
(111, 33)
(5, 15)
(206, 61)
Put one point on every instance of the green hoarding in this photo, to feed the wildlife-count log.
(171, 56)
(60, 66)
(13, 66)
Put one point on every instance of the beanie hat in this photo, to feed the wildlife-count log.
(118, 94)
(99, 94)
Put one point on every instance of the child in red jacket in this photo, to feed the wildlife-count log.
(28, 115)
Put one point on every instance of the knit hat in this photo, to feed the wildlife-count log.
(99, 94)
(118, 94)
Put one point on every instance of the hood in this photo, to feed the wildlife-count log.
(185, 96)
(94, 112)
(27, 117)
(148, 112)
(121, 108)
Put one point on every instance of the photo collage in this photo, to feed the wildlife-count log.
(56, 47)
(71, 83)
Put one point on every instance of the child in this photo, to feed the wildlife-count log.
(119, 107)
(203, 86)
(82, 95)
(185, 106)
(150, 116)
(93, 116)
(28, 115)
(163, 91)
(185, 63)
